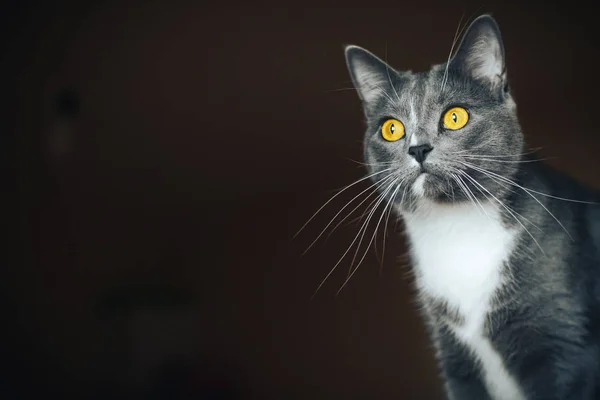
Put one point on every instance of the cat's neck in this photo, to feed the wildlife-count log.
(430, 213)
(458, 252)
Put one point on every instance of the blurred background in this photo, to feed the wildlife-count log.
(162, 154)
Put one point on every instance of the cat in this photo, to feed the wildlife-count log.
(505, 250)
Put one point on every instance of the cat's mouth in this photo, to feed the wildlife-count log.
(426, 170)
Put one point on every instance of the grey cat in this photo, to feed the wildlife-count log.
(505, 250)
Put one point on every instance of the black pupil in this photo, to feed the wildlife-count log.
(454, 118)
(392, 128)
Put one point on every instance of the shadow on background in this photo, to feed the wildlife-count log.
(167, 152)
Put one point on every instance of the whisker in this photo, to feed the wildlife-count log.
(368, 245)
(465, 189)
(507, 161)
(530, 151)
(451, 188)
(401, 202)
(387, 221)
(402, 199)
(386, 179)
(526, 191)
(348, 88)
(506, 208)
(358, 218)
(373, 164)
(540, 193)
(340, 260)
(478, 202)
(337, 194)
(380, 198)
(503, 185)
(340, 89)
(474, 197)
(512, 209)
(483, 194)
(359, 204)
(350, 222)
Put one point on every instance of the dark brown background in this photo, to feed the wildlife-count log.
(208, 134)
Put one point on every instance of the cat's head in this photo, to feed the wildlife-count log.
(445, 135)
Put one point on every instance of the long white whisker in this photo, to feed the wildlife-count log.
(385, 180)
(386, 163)
(478, 202)
(387, 221)
(487, 197)
(403, 195)
(530, 151)
(401, 202)
(506, 161)
(341, 89)
(503, 185)
(461, 186)
(368, 245)
(513, 210)
(366, 212)
(337, 194)
(506, 208)
(474, 197)
(379, 185)
(465, 190)
(380, 199)
(483, 194)
(341, 258)
(482, 170)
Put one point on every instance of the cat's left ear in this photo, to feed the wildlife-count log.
(481, 53)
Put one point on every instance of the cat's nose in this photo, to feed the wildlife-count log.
(420, 152)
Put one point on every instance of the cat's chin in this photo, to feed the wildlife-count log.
(432, 187)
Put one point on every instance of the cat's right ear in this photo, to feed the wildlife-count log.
(481, 53)
(368, 72)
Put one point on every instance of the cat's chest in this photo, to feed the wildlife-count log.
(458, 254)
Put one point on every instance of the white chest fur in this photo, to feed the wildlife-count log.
(458, 252)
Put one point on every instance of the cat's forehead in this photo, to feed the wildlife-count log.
(411, 91)
(418, 94)
(419, 79)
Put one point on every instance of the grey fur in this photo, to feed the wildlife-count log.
(545, 323)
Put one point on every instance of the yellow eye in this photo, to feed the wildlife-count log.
(456, 118)
(392, 130)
